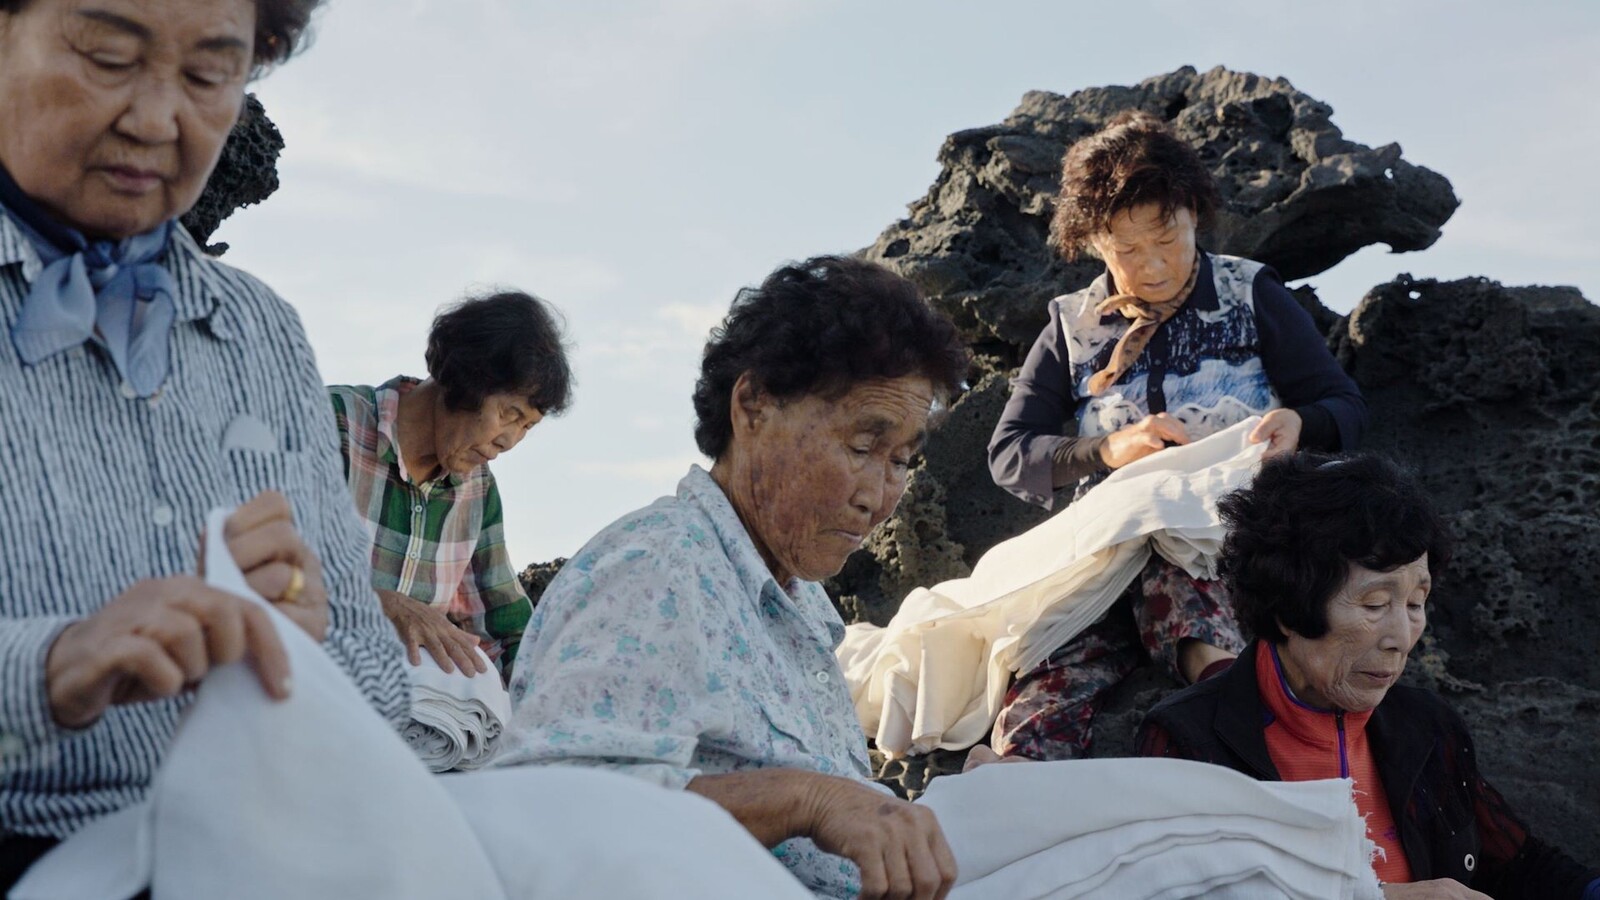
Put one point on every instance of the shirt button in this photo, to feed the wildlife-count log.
(126, 389)
(162, 515)
(1470, 862)
(416, 554)
(823, 678)
(417, 508)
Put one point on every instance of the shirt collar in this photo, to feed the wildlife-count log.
(386, 399)
(201, 291)
(192, 267)
(1308, 724)
(808, 598)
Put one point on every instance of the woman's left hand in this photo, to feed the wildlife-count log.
(1280, 429)
(277, 563)
(983, 755)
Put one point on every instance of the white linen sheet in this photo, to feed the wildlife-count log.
(936, 675)
(317, 797)
(1150, 828)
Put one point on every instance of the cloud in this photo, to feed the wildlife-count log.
(668, 468)
(696, 319)
(461, 98)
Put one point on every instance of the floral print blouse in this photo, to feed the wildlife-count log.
(666, 649)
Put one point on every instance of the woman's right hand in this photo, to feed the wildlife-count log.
(420, 625)
(1142, 438)
(154, 640)
(898, 845)
(1437, 889)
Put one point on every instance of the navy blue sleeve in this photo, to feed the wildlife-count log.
(1305, 375)
(1034, 449)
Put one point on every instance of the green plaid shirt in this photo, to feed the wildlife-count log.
(441, 542)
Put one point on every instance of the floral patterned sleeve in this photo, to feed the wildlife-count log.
(614, 669)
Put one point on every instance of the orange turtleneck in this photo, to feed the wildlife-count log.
(1307, 743)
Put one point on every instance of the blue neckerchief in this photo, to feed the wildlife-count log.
(87, 284)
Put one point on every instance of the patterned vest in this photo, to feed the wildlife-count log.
(1203, 368)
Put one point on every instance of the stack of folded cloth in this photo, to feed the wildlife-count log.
(1149, 828)
(456, 720)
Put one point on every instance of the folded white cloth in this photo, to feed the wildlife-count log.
(456, 720)
(315, 797)
(935, 677)
(1148, 828)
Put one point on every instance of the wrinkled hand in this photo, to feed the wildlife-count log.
(983, 755)
(1142, 438)
(157, 639)
(1438, 889)
(898, 845)
(263, 540)
(420, 625)
(1280, 429)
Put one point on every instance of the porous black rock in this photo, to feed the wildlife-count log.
(246, 173)
(1296, 194)
(537, 577)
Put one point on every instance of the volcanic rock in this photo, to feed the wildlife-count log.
(246, 173)
(1296, 194)
(538, 576)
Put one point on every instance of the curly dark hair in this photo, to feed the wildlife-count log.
(818, 327)
(280, 27)
(1135, 159)
(505, 342)
(1294, 531)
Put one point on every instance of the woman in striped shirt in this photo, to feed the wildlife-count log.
(142, 384)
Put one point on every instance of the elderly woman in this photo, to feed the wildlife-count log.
(1331, 563)
(689, 642)
(141, 385)
(1170, 345)
(416, 455)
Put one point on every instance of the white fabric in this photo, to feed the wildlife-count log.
(1148, 828)
(563, 832)
(314, 797)
(456, 720)
(935, 677)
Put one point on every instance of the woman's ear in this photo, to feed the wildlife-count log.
(1283, 630)
(748, 404)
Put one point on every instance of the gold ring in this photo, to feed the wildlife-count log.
(297, 586)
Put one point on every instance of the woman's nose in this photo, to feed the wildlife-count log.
(1399, 633)
(878, 490)
(152, 113)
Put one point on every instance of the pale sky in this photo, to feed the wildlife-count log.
(635, 163)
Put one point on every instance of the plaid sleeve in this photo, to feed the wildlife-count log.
(506, 608)
(341, 418)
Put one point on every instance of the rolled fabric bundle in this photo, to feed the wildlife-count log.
(456, 720)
